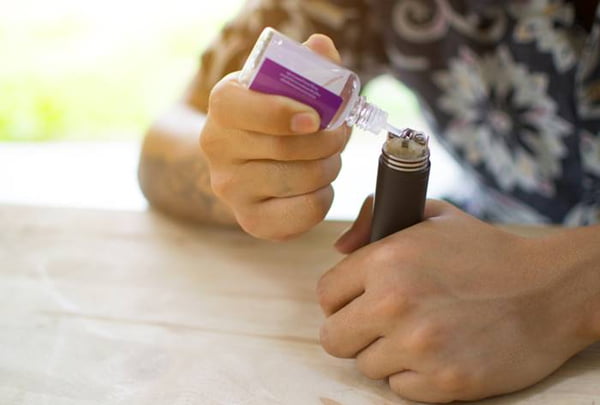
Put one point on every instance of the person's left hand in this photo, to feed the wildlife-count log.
(451, 308)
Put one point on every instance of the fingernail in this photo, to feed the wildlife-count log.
(305, 122)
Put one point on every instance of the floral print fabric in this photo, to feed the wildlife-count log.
(509, 87)
(512, 88)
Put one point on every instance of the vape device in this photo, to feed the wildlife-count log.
(402, 181)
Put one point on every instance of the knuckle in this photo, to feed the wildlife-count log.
(284, 109)
(334, 166)
(220, 144)
(426, 338)
(281, 148)
(324, 296)
(395, 387)
(308, 211)
(392, 302)
(384, 253)
(209, 144)
(206, 143)
(330, 342)
(218, 102)
(318, 204)
(222, 184)
(251, 223)
(341, 138)
(427, 393)
(322, 172)
(455, 380)
(406, 390)
(326, 340)
(398, 388)
(332, 142)
(410, 251)
(312, 180)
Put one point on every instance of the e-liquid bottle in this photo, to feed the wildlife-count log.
(279, 65)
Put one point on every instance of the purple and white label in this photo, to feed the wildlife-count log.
(273, 78)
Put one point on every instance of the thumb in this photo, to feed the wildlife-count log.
(324, 46)
(359, 233)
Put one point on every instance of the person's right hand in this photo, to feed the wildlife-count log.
(268, 161)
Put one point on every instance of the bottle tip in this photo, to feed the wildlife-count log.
(394, 130)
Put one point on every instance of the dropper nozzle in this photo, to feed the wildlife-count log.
(393, 130)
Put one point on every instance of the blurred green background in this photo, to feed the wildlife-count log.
(73, 70)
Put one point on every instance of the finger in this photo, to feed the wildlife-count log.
(417, 387)
(359, 233)
(324, 46)
(256, 146)
(292, 215)
(233, 106)
(259, 180)
(356, 326)
(341, 285)
(381, 359)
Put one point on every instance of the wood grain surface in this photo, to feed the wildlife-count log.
(101, 307)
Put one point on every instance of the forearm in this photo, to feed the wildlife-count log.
(172, 172)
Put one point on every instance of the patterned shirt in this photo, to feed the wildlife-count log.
(511, 88)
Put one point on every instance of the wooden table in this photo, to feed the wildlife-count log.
(133, 308)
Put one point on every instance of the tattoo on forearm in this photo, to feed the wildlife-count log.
(182, 188)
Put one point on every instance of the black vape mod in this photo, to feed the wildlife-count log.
(402, 181)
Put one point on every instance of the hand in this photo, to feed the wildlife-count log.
(452, 308)
(267, 160)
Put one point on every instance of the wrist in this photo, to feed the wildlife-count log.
(568, 262)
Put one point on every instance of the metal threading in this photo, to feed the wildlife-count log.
(407, 151)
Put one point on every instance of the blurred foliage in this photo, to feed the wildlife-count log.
(76, 70)
(394, 97)
(82, 70)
